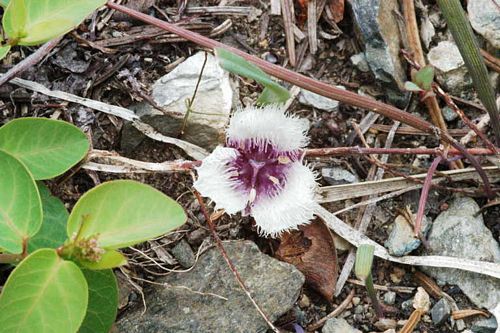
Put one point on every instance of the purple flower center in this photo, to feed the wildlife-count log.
(260, 170)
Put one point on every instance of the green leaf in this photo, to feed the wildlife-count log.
(43, 20)
(110, 259)
(14, 20)
(103, 301)
(44, 294)
(47, 147)
(122, 213)
(272, 93)
(20, 204)
(410, 86)
(4, 50)
(364, 261)
(52, 234)
(424, 77)
(4, 3)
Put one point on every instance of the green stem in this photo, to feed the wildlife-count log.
(370, 289)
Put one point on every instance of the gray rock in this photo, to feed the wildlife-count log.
(440, 312)
(457, 233)
(337, 325)
(212, 104)
(390, 297)
(484, 16)
(359, 60)
(488, 325)
(317, 101)
(401, 240)
(338, 175)
(379, 31)
(189, 302)
(183, 253)
(449, 114)
(451, 72)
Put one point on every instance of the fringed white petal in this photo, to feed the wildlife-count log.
(290, 208)
(269, 124)
(214, 181)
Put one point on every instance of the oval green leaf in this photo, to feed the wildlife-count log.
(52, 233)
(123, 213)
(4, 3)
(20, 204)
(110, 259)
(103, 301)
(44, 20)
(47, 147)
(44, 294)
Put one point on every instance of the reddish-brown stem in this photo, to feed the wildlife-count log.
(7, 258)
(463, 117)
(287, 75)
(424, 194)
(313, 85)
(230, 264)
(30, 61)
(343, 151)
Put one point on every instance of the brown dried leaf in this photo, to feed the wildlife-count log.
(312, 250)
(337, 10)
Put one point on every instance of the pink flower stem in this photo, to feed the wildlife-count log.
(424, 194)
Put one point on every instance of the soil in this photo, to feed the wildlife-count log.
(126, 76)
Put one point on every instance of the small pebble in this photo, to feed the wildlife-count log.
(440, 312)
(356, 300)
(359, 309)
(407, 305)
(390, 297)
(385, 324)
(304, 301)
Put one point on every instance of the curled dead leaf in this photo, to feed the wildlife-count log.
(312, 250)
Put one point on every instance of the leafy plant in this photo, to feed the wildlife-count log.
(422, 81)
(33, 22)
(363, 270)
(63, 281)
(273, 93)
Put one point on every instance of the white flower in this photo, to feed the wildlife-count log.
(260, 172)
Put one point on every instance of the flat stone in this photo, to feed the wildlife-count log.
(337, 325)
(211, 108)
(317, 101)
(338, 175)
(183, 253)
(456, 232)
(440, 312)
(191, 301)
(451, 72)
(402, 240)
(484, 16)
(379, 30)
